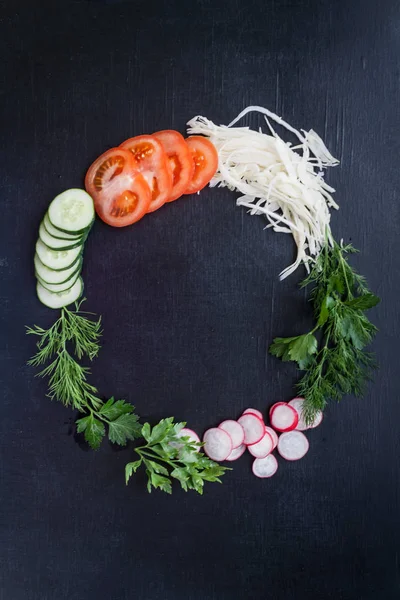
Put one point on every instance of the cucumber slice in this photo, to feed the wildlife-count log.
(56, 244)
(56, 233)
(59, 287)
(50, 276)
(58, 300)
(57, 260)
(72, 211)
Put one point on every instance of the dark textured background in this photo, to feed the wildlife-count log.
(190, 301)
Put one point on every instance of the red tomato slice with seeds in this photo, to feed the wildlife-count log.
(205, 159)
(180, 161)
(152, 162)
(120, 193)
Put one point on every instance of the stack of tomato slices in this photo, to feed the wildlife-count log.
(146, 171)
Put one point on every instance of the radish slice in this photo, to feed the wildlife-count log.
(217, 444)
(273, 434)
(237, 452)
(297, 404)
(265, 467)
(254, 411)
(235, 430)
(254, 428)
(283, 417)
(262, 448)
(318, 420)
(192, 435)
(293, 445)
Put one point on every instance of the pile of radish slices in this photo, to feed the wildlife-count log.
(230, 439)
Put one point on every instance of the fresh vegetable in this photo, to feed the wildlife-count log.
(262, 448)
(285, 184)
(237, 452)
(265, 467)
(217, 444)
(61, 298)
(273, 435)
(57, 260)
(180, 161)
(165, 459)
(191, 435)
(254, 428)
(234, 430)
(72, 212)
(74, 336)
(293, 445)
(205, 160)
(55, 243)
(280, 181)
(335, 362)
(51, 276)
(254, 411)
(152, 162)
(57, 233)
(283, 417)
(318, 420)
(298, 404)
(58, 257)
(120, 192)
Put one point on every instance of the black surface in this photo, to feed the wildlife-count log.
(190, 300)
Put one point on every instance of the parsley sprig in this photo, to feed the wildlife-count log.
(71, 338)
(166, 456)
(333, 353)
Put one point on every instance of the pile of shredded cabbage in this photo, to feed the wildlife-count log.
(281, 181)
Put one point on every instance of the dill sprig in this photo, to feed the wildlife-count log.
(335, 361)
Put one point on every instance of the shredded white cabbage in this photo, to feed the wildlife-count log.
(284, 183)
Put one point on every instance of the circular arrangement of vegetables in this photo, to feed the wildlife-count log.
(282, 181)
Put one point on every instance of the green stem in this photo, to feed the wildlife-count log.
(153, 456)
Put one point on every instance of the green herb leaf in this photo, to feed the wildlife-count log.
(167, 456)
(112, 409)
(363, 302)
(303, 347)
(131, 468)
(280, 348)
(123, 428)
(94, 432)
(339, 365)
(326, 305)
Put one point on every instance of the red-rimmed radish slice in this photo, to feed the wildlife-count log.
(283, 417)
(318, 420)
(235, 430)
(297, 404)
(254, 428)
(262, 448)
(237, 452)
(273, 434)
(217, 444)
(254, 411)
(192, 435)
(293, 445)
(265, 467)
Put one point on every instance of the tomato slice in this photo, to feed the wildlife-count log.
(120, 193)
(205, 159)
(152, 162)
(180, 161)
